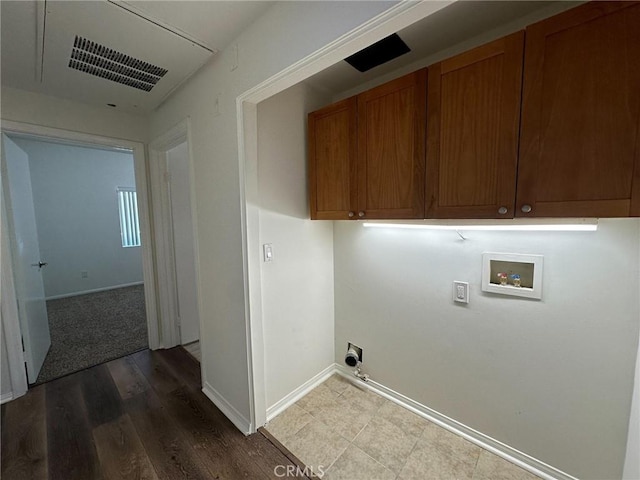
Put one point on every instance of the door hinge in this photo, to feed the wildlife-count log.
(167, 177)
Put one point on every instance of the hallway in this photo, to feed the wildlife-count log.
(138, 417)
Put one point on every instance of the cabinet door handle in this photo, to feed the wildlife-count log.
(351, 214)
(361, 214)
(526, 208)
(503, 210)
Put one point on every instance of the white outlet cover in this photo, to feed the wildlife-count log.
(460, 292)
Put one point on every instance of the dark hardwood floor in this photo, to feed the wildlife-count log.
(138, 417)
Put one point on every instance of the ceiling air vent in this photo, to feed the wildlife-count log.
(380, 52)
(98, 60)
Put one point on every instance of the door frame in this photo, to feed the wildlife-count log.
(163, 229)
(397, 17)
(68, 137)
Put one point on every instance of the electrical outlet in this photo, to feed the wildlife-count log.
(84, 274)
(461, 292)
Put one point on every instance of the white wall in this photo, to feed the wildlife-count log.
(76, 205)
(183, 242)
(43, 110)
(632, 458)
(297, 286)
(552, 378)
(5, 376)
(288, 32)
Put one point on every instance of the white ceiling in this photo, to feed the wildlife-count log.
(37, 40)
(213, 24)
(181, 36)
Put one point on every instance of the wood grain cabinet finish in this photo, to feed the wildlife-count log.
(366, 153)
(391, 149)
(332, 161)
(473, 117)
(580, 130)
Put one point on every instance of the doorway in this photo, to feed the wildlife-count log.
(88, 295)
(174, 209)
(183, 247)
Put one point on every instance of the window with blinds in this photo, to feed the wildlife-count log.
(129, 223)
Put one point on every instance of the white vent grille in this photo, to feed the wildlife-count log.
(98, 60)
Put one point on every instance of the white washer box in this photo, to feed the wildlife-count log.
(528, 267)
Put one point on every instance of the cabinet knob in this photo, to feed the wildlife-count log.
(503, 210)
(526, 208)
(351, 214)
(361, 214)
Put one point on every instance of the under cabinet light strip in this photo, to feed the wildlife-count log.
(570, 227)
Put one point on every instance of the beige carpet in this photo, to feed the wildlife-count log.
(90, 329)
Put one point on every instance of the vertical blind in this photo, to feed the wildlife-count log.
(129, 223)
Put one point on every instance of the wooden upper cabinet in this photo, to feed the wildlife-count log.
(473, 116)
(391, 149)
(556, 137)
(332, 161)
(580, 131)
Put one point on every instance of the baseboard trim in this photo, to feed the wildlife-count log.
(6, 397)
(95, 290)
(494, 446)
(298, 393)
(227, 409)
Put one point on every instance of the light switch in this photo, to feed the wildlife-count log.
(267, 250)
(461, 292)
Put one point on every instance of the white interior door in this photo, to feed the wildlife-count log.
(183, 242)
(32, 309)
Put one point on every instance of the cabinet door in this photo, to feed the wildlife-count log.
(473, 118)
(391, 136)
(580, 138)
(332, 161)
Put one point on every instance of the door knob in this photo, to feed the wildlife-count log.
(503, 210)
(351, 214)
(361, 214)
(526, 208)
(39, 264)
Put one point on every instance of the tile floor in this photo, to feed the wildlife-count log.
(344, 432)
(194, 349)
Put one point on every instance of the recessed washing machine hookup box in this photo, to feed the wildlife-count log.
(512, 274)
